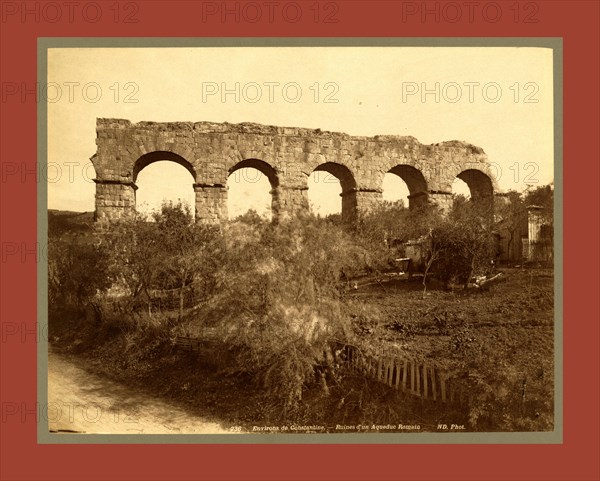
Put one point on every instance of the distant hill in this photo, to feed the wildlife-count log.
(67, 222)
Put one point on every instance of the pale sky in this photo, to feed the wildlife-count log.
(378, 92)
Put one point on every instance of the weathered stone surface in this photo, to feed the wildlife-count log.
(287, 156)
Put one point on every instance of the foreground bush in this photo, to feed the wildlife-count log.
(277, 303)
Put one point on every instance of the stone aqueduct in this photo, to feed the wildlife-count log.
(211, 152)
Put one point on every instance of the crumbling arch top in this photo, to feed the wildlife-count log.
(263, 167)
(414, 178)
(161, 155)
(339, 171)
(480, 184)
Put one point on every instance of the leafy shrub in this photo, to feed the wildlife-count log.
(441, 323)
(405, 329)
(78, 268)
(277, 305)
(463, 340)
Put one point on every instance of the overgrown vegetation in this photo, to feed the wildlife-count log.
(269, 303)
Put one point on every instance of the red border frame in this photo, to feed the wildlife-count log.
(21, 456)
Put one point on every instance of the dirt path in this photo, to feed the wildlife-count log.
(84, 402)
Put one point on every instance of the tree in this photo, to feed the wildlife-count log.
(383, 224)
(188, 250)
(250, 217)
(135, 250)
(169, 252)
(76, 272)
(277, 303)
(384, 231)
(463, 242)
(511, 217)
(542, 196)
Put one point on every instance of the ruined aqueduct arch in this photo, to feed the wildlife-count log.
(286, 156)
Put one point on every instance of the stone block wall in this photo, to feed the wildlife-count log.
(359, 202)
(114, 200)
(211, 203)
(289, 201)
(287, 156)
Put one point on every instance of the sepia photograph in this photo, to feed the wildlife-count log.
(301, 240)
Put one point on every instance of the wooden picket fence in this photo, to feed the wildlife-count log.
(187, 343)
(420, 379)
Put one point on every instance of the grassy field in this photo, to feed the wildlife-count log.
(515, 315)
(498, 342)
